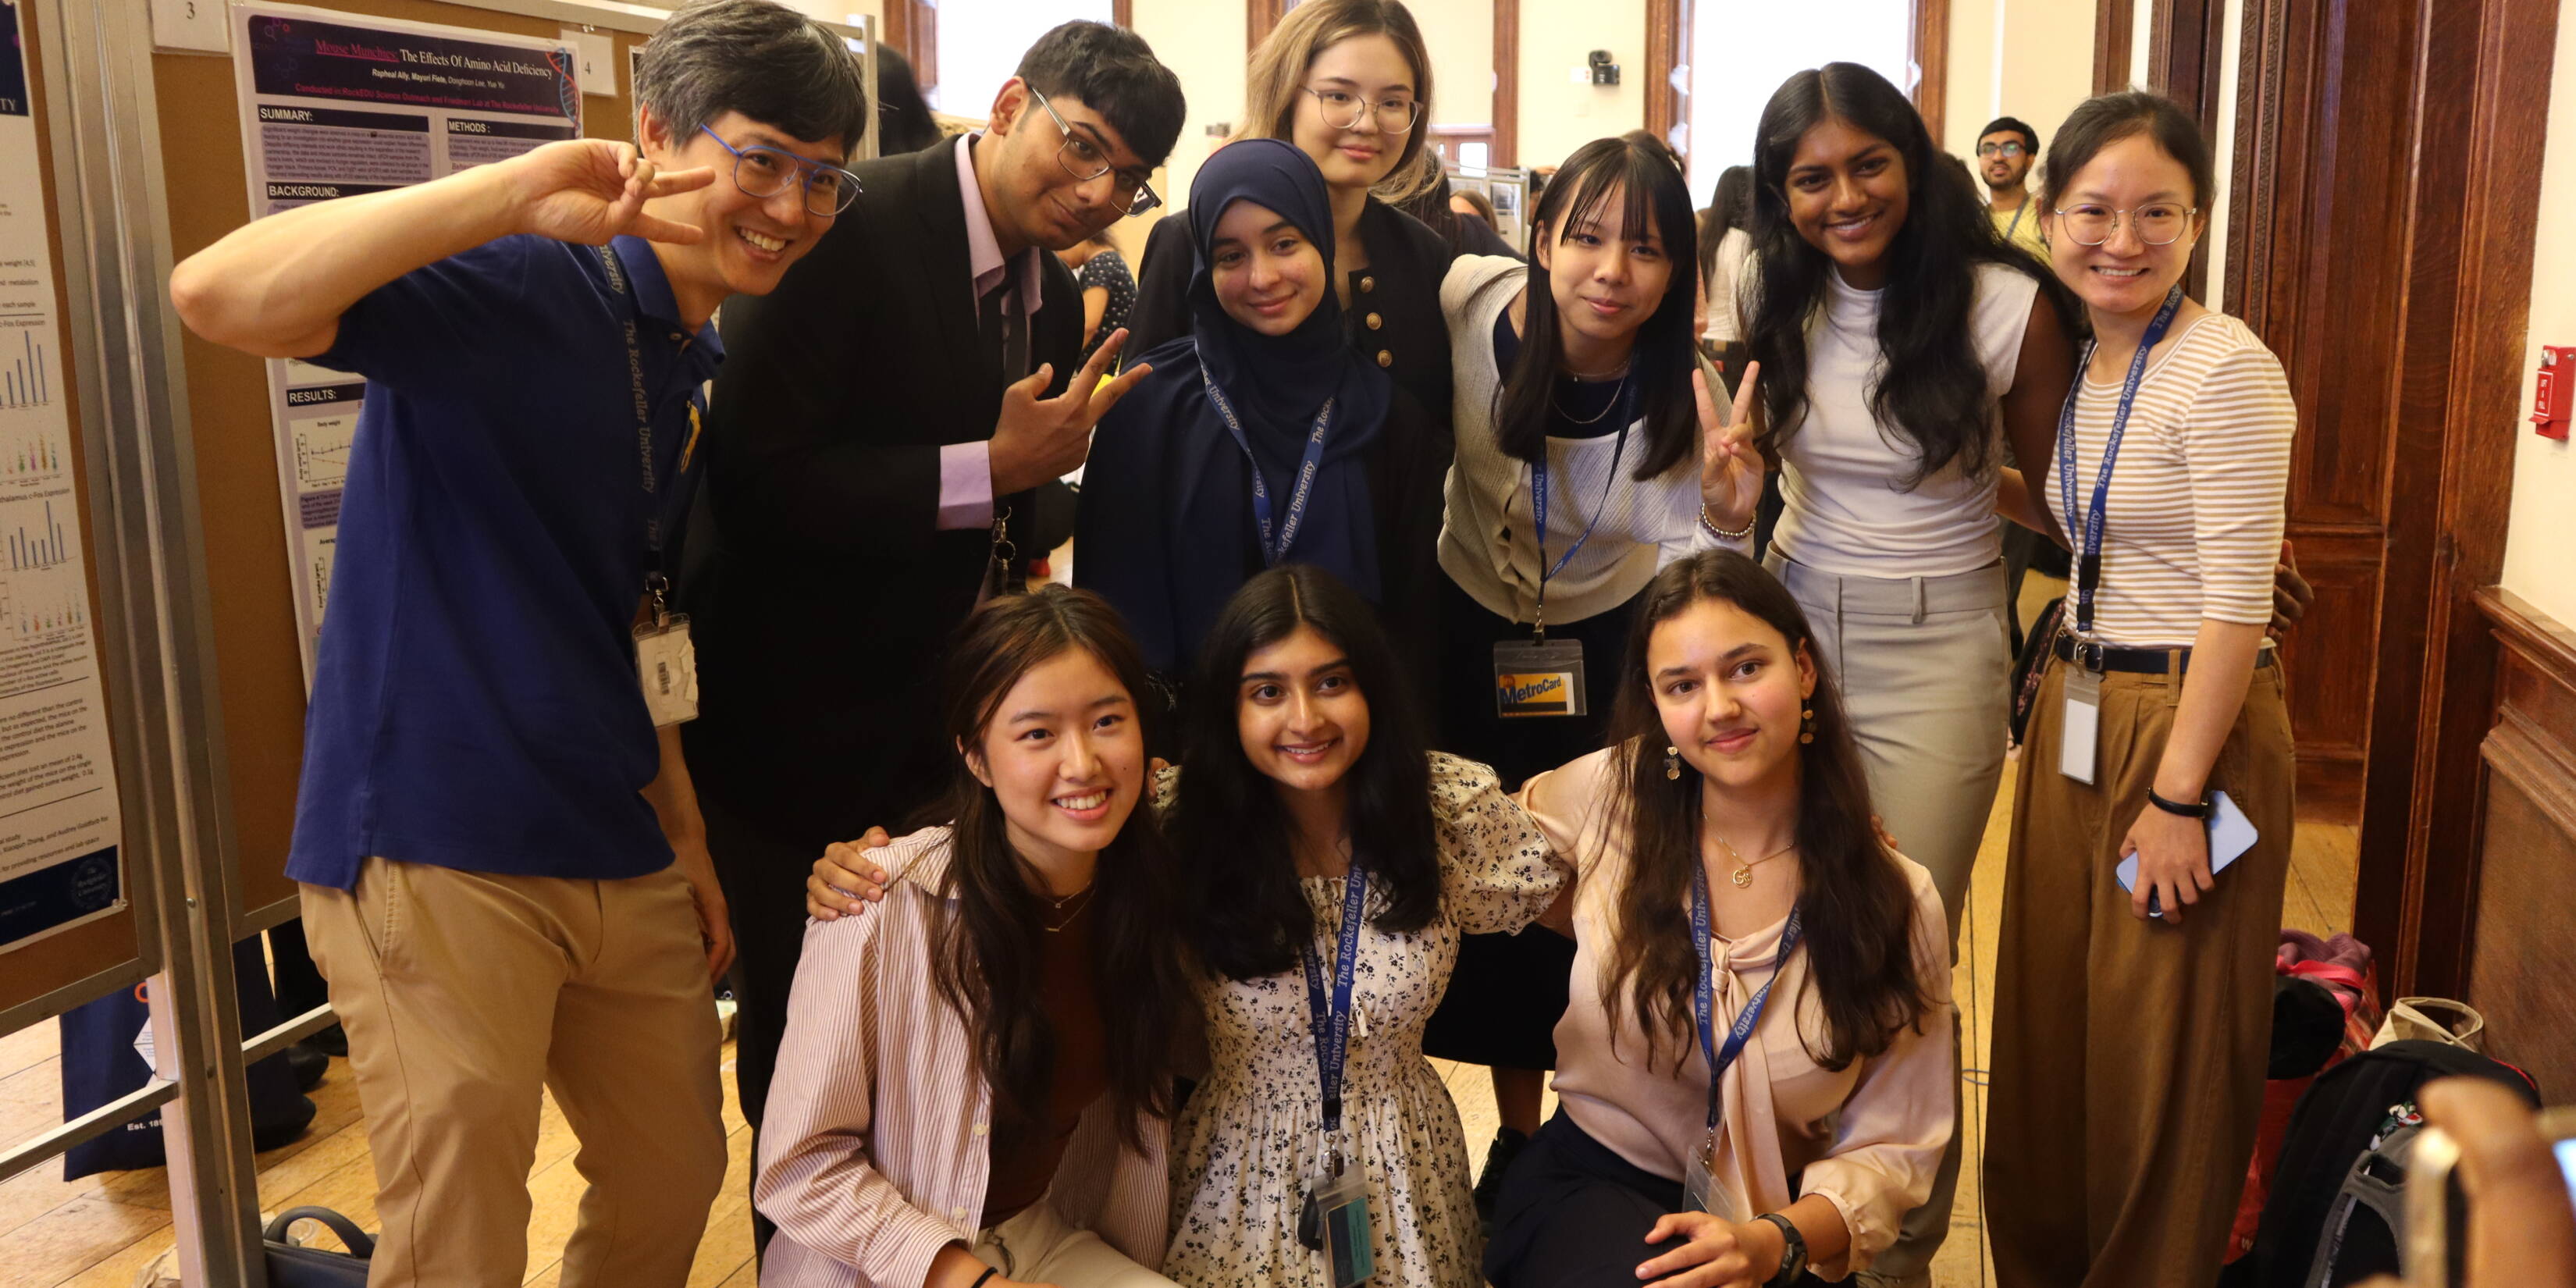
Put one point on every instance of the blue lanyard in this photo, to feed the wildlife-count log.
(2089, 576)
(1331, 1021)
(1704, 998)
(1275, 549)
(1538, 503)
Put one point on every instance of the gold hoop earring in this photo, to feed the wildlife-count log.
(1672, 763)
(1806, 726)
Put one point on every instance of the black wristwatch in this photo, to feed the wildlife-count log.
(2198, 809)
(1793, 1251)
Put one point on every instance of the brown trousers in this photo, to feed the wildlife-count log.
(465, 992)
(2127, 1073)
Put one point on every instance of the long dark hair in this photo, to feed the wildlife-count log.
(1652, 193)
(1858, 905)
(1228, 825)
(1729, 207)
(1933, 390)
(985, 951)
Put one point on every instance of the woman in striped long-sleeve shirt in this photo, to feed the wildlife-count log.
(2129, 1050)
(974, 1084)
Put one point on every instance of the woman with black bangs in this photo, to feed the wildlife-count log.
(1756, 1073)
(1582, 412)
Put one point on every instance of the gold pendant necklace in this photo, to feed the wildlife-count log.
(1743, 874)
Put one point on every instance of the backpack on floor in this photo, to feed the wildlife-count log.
(2335, 1214)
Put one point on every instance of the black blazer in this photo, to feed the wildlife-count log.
(1394, 319)
(821, 589)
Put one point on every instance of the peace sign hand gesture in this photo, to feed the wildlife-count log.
(1730, 470)
(588, 191)
(1042, 438)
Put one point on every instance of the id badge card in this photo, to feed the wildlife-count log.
(1701, 1190)
(667, 663)
(1336, 1223)
(2080, 733)
(1538, 679)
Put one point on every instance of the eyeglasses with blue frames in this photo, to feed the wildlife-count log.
(764, 172)
(1084, 160)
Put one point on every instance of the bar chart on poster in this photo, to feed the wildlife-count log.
(59, 820)
(339, 105)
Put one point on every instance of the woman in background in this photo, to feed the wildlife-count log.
(1349, 83)
(1108, 289)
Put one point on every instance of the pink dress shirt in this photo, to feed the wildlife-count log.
(876, 1147)
(966, 469)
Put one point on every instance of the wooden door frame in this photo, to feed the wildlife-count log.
(2466, 235)
(2115, 25)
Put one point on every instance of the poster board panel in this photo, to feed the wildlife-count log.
(259, 657)
(108, 950)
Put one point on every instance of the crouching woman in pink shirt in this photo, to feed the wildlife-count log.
(1754, 1071)
(974, 1083)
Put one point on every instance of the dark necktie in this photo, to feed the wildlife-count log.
(1005, 335)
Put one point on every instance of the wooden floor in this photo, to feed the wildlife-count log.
(100, 1231)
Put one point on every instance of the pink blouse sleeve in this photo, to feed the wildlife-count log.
(1899, 1117)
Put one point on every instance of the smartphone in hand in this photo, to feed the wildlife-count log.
(2231, 834)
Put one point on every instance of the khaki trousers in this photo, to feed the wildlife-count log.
(465, 992)
(2129, 1055)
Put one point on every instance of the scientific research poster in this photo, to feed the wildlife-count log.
(339, 105)
(59, 825)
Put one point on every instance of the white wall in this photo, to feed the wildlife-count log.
(2027, 58)
(2536, 563)
(1742, 50)
(1558, 116)
(1204, 44)
(1460, 35)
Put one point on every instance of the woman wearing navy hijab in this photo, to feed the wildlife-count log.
(1261, 438)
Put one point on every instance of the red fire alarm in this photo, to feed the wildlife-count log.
(2557, 390)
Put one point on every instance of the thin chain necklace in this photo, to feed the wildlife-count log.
(1066, 918)
(1606, 408)
(1743, 874)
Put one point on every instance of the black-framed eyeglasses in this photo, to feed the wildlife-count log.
(2008, 148)
(764, 172)
(2158, 223)
(1084, 160)
(1344, 110)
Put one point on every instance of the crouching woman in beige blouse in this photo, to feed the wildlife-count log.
(974, 1081)
(1724, 839)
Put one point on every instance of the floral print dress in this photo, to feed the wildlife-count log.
(1250, 1139)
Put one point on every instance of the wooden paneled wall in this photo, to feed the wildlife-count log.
(2523, 849)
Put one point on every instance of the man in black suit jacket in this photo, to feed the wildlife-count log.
(872, 416)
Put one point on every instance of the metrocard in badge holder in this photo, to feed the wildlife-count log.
(1538, 678)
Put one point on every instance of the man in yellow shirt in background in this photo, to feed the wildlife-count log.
(2006, 150)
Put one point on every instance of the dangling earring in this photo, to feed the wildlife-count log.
(1672, 763)
(1806, 725)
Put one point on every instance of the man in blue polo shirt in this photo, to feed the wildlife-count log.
(504, 873)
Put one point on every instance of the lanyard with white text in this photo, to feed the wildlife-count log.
(1704, 998)
(2089, 574)
(1275, 548)
(1538, 506)
(1330, 1020)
